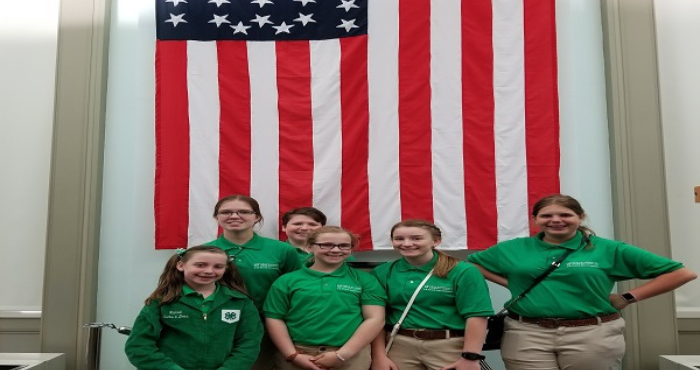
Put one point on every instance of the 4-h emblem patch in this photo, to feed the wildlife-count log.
(230, 316)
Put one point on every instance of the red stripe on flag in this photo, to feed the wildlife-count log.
(541, 100)
(296, 161)
(171, 200)
(235, 122)
(354, 99)
(478, 113)
(415, 155)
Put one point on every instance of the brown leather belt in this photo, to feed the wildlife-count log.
(555, 323)
(428, 334)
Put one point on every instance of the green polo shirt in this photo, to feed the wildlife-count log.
(180, 335)
(322, 308)
(260, 261)
(581, 285)
(303, 255)
(443, 303)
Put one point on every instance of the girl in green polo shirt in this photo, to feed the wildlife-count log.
(446, 325)
(260, 260)
(199, 317)
(570, 320)
(325, 315)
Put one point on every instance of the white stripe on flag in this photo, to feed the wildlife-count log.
(327, 130)
(509, 125)
(448, 165)
(203, 92)
(264, 181)
(384, 199)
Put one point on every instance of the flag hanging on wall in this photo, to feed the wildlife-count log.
(371, 110)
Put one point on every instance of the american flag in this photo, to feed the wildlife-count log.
(371, 110)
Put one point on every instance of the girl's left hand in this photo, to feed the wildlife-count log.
(617, 301)
(463, 364)
(327, 360)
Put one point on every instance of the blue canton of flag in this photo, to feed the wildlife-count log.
(260, 20)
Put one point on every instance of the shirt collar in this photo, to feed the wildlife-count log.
(250, 244)
(573, 243)
(342, 270)
(403, 265)
(187, 291)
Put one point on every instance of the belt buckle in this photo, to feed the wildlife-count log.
(549, 323)
(417, 331)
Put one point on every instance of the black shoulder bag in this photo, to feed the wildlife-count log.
(495, 322)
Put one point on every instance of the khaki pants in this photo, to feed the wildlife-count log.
(267, 350)
(361, 361)
(593, 347)
(409, 353)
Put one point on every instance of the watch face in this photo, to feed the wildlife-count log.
(629, 297)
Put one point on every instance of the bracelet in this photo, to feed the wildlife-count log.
(339, 357)
(291, 357)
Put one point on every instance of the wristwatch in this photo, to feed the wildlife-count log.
(629, 297)
(472, 356)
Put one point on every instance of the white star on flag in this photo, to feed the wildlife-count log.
(261, 2)
(284, 27)
(261, 20)
(240, 28)
(219, 20)
(304, 2)
(348, 25)
(347, 5)
(305, 19)
(175, 19)
(175, 2)
(218, 2)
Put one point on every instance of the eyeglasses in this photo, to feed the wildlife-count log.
(343, 246)
(242, 213)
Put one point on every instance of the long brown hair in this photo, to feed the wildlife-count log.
(171, 280)
(567, 202)
(445, 262)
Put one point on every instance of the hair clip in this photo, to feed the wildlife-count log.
(180, 252)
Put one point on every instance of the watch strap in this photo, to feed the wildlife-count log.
(473, 356)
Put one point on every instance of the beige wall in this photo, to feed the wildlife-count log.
(28, 43)
(677, 27)
(28, 46)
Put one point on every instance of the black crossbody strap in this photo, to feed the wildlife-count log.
(553, 266)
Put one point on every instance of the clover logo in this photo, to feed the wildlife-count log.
(230, 316)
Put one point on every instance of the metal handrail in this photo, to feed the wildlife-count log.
(94, 339)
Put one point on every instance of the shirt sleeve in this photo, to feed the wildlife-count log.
(380, 273)
(277, 302)
(141, 347)
(372, 292)
(290, 259)
(472, 294)
(490, 259)
(246, 341)
(635, 263)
